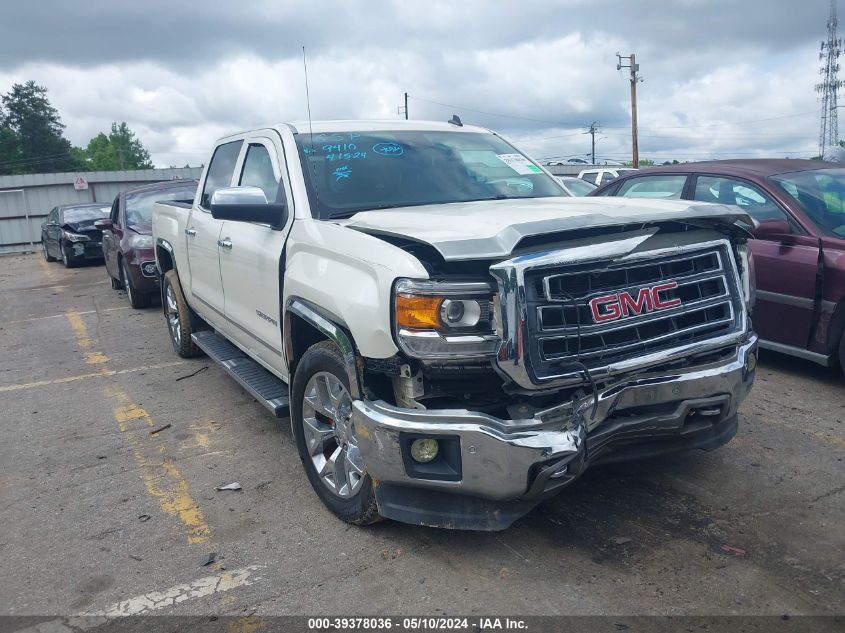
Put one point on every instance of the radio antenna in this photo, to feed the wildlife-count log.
(307, 96)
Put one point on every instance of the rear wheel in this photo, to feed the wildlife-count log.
(47, 255)
(321, 416)
(137, 300)
(178, 316)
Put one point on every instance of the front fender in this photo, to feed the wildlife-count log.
(348, 274)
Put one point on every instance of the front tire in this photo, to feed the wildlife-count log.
(321, 417)
(137, 300)
(178, 317)
(67, 260)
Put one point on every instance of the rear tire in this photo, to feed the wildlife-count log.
(321, 410)
(137, 300)
(178, 316)
(47, 255)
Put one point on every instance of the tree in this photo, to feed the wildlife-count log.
(644, 162)
(119, 150)
(32, 133)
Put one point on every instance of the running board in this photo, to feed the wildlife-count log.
(268, 389)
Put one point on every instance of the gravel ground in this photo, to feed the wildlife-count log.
(98, 514)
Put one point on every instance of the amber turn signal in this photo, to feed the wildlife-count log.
(416, 313)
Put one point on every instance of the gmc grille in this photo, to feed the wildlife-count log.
(562, 328)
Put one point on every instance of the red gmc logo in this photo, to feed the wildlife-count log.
(622, 304)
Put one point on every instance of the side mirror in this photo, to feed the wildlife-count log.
(104, 225)
(246, 204)
(772, 229)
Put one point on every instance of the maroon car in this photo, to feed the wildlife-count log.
(128, 241)
(799, 245)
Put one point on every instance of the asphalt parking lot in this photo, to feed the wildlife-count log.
(100, 514)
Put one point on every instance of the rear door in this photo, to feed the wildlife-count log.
(111, 239)
(786, 266)
(52, 231)
(250, 262)
(203, 232)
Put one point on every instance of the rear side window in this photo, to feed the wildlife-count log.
(590, 177)
(258, 172)
(655, 187)
(220, 170)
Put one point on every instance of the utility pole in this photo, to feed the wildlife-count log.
(635, 68)
(592, 132)
(401, 110)
(830, 85)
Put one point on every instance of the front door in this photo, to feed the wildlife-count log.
(786, 266)
(203, 232)
(249, 261)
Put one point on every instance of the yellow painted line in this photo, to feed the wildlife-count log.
(84, 339)
(100, 374)
(55, 287)
(63, 315)
(161, 477)
(48, 270)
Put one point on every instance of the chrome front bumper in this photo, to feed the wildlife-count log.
(505, 459)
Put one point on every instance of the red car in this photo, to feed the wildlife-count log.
(128, 240)
(799, 245)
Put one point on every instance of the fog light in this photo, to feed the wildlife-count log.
(424, 449)
(751, 361)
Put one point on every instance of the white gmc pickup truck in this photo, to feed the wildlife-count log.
(453, 340)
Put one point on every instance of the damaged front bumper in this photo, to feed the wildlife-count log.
(491, 471)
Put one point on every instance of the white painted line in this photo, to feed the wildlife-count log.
(63, 314)
(99, 374)
(148, 602)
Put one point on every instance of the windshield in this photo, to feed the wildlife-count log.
(821, 193)
(139, 206)
(347, 172)
(80, 214)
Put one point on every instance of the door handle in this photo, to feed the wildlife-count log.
(190, 232)
(226, 243)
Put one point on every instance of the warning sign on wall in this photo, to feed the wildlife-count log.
(80, 184)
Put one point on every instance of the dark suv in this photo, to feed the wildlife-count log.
(128, 237)
(798, 247)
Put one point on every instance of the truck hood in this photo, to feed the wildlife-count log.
(491, 229)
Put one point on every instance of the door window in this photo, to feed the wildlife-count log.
(115, 211)
(590, 177)
(743, 194)
(657, 187)
(220, 170)
(258, 172)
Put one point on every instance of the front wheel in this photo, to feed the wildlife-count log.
(321, 416)
(178, 317)
(137, 300)
(67, 260)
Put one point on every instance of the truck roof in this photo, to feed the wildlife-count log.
(340, 125)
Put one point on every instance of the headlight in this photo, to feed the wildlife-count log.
(749, 283)
(75, 237)
(444, 320)
(141, 241)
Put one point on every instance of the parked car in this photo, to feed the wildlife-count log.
(799, 208)
(69, 233)
(452, 339)
(575, 186)
(604, 175)
(127, 237)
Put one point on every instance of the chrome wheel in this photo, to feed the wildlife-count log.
(124, 279)
(173, 317)
(330, 436)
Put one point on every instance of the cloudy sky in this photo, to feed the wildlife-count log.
(722, 78)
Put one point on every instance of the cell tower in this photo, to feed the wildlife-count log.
(830, 85)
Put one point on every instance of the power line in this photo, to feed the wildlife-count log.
(503, 116)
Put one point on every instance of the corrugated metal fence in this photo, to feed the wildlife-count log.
(26, 200)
